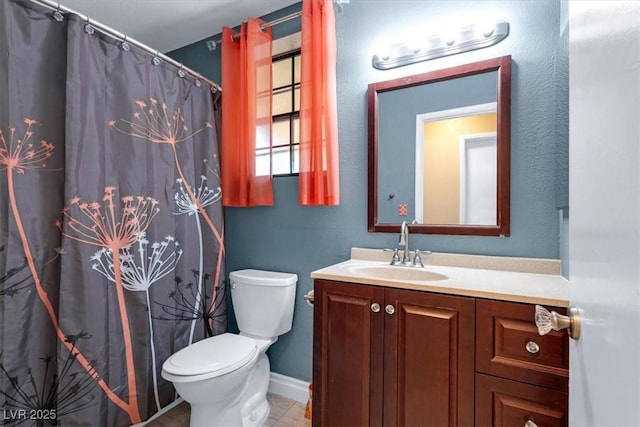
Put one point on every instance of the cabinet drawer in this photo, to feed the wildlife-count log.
(501, 402)
(508, 345)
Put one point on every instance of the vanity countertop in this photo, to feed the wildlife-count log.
(527, 280)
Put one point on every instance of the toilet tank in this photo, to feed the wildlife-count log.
(263, 301)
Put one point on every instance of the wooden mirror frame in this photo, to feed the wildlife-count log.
(503, 67)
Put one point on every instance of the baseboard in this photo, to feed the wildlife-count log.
(289, 387)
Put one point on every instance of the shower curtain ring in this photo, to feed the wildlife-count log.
(57, 14)
(156, 59)
(88, 28)
(180, 72)
(125, 45)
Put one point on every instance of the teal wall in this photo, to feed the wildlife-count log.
(291, 238)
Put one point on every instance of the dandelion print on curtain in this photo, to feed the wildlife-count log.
(111, 234)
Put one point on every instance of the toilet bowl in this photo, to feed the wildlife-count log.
(212, 375)
(225, 378)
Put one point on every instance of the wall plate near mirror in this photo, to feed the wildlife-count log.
(439, 151)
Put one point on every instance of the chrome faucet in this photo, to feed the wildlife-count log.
(404, 241)
(406, 256)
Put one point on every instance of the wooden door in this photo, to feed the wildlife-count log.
(428, 359)
(347, 355)
(604, 230)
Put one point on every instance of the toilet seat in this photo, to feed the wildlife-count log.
(210, 358)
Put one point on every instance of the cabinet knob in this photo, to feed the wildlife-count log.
(546, 321)
(532, 347)
(530, 423)
(375, 307)
(390, 309)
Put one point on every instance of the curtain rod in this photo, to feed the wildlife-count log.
(123, 37)
(212, 44)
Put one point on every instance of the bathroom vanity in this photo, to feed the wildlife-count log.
(453, 343)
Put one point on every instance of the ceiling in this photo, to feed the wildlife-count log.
(165, 25)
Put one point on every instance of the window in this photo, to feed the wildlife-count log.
(285, 133)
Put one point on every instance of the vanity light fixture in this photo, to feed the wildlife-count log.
(467, 38)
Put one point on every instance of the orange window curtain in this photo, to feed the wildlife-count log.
(246, 115)
(319, 178)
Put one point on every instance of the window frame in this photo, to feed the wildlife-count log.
(290, 116)
(283, 47)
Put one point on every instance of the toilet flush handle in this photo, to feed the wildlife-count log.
(233, 285)
(309, 297)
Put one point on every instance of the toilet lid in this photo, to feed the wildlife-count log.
(216, 355)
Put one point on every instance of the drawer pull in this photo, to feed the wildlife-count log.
(546, 321)
(390, 309)
(530, 423)
(375, 307)
(532, 347)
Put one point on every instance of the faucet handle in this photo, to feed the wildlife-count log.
(395, 259)
(417, 261)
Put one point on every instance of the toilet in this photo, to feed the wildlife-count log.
(225, 378)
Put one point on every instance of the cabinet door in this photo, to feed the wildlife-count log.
(501, 402)
(347, 355)
(428, 359)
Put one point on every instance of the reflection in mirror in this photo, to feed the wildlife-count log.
(439, 151)
(456, 166)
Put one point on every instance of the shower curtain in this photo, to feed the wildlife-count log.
(111, 234)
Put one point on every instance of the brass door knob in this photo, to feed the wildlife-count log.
(390, 309)
(547, 321)
(375, 307)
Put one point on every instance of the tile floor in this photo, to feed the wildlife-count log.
(284, 413)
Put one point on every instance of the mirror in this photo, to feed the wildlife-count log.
(439, 151)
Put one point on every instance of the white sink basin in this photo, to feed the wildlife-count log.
(397, 273)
